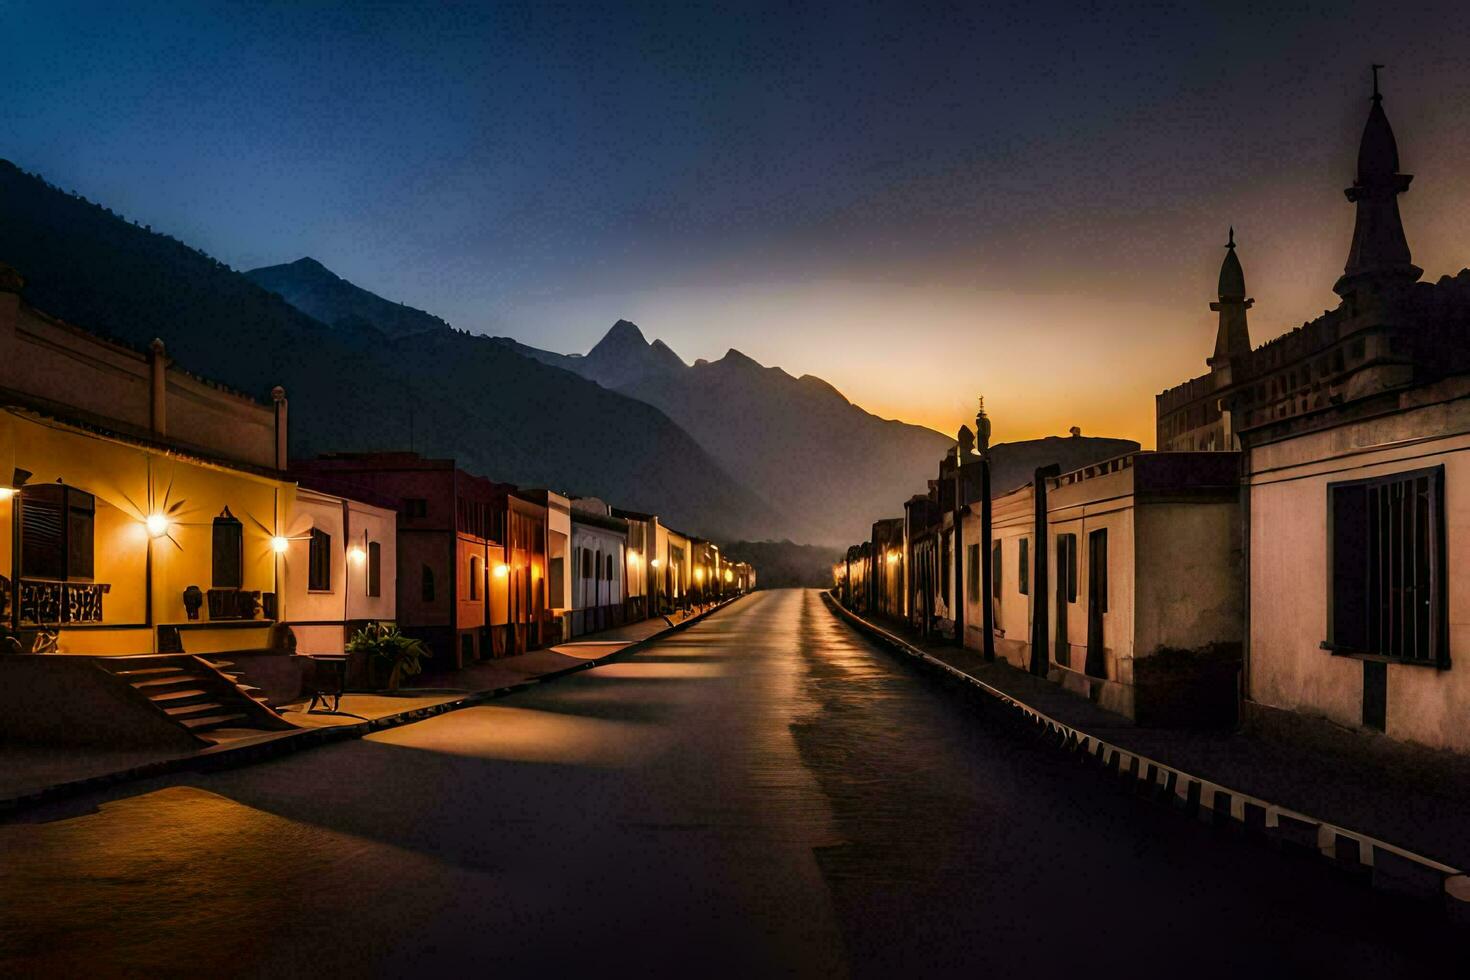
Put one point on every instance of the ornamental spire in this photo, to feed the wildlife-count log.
(1232, 338)
(1379, 254)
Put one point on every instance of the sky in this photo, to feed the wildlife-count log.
(918, 202)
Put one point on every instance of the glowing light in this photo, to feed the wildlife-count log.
(654, 563)
(729, 575)
(6, 493)
(892, 557)
(699, 575)
(279, 544)
(632, 558)
(502, 570)
(357, 555)
(157, 525)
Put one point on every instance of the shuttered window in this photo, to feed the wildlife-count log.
(1386, 562)
(57, 528)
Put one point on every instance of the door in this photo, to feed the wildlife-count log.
(1097, 601)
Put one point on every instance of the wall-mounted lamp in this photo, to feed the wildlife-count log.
(654, 563)
(157, 525)
(16, 482)
(357, 555)
(280, 544)
(502, 570)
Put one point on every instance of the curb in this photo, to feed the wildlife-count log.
(221, 757)
(1386, 866)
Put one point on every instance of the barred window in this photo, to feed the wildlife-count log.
(1386, 559)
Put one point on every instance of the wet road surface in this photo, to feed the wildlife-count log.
(762, 794)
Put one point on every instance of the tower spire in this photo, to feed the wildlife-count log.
(1379, 255)
(1232, 338)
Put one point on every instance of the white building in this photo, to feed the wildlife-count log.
(599, 563)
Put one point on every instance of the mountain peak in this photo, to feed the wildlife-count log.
(308, 264)
(624, 333)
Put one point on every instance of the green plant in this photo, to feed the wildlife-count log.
(389, 649)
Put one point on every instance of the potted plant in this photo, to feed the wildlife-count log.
(391, 656)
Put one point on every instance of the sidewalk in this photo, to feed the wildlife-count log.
(1350, 787)
(33, 774)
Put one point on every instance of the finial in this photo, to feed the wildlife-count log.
(1376, 96)
(1231, 243)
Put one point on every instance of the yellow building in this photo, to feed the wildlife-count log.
(144, 512)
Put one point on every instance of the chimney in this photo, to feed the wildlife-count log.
(278, 395)
(158, 389)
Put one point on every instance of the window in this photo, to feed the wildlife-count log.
(1386, 565)
(1023, 567)
(1097, 549)
(415, 507)
(426, 584)
(1067, 565)
(228, 552)
(609, 568)
(375, 569)
(57, 524)
(972, 572)
(319, 558)
(586, 563)
(944, 560)
(474, 577)
(995, 569)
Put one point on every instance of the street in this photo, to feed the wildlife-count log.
(764, 793)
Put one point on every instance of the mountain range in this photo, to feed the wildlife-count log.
(730, 448)
(364, 380)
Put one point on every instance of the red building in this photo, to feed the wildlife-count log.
(471, 552)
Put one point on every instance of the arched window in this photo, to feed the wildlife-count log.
(474, 577)
(609, 568)
(428, 584)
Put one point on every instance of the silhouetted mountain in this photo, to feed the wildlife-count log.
(781, 564)
(320, 293)
(823, 461)
(442, 391)
(827, 464)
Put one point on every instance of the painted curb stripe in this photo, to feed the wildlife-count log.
(1404, 871)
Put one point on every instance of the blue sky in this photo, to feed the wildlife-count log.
(915, 201)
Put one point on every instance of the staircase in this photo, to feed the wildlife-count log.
(200, 694)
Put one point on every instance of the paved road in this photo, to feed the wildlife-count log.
(763, 794)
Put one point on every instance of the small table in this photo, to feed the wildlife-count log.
(328, 679)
